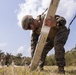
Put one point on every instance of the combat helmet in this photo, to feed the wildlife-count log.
(26, 20)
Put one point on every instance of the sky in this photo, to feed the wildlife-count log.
(13, 39)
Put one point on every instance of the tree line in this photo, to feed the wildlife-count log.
(8, 58)
(19, 59)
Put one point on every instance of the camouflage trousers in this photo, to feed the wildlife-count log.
(58, 43)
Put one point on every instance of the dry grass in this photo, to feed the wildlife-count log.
(23, 70)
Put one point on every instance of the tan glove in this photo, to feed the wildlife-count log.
(51, 21)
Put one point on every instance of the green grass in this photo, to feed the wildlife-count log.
(48, 70)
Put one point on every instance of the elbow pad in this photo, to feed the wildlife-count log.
(61, 21)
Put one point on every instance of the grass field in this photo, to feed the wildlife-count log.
(23, 70)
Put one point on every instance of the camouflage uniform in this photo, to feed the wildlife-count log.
(57, 38)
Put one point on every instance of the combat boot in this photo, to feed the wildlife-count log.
(61, 70)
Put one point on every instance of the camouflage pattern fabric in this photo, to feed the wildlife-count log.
(58, 42)
(34, 39)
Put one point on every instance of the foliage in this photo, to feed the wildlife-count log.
(1, 53)
(70, 57)
(50, 60)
